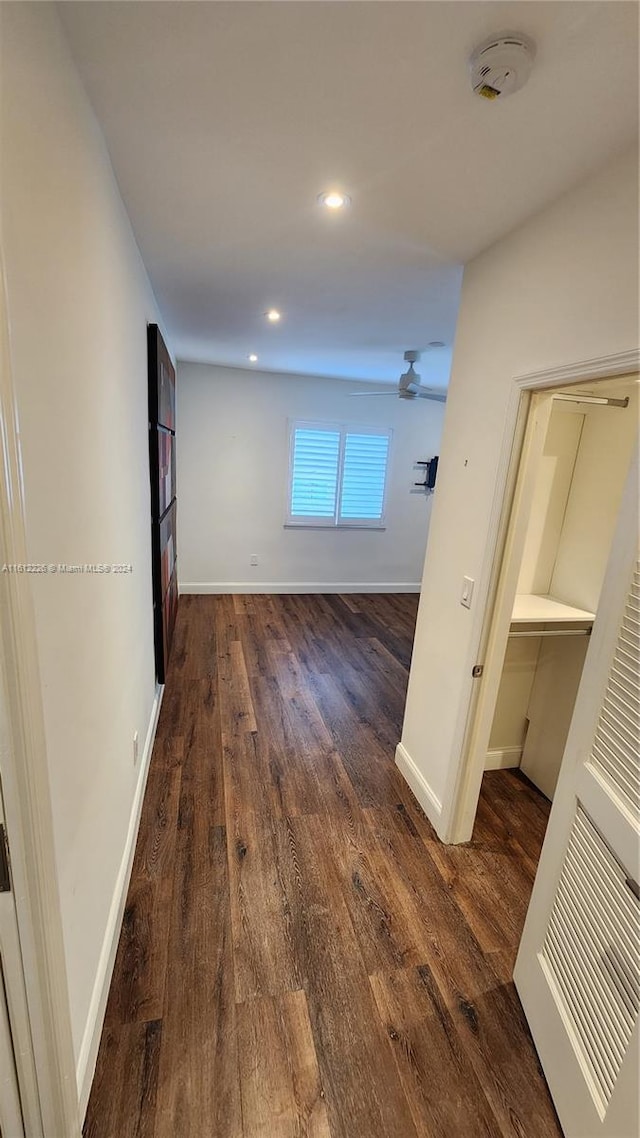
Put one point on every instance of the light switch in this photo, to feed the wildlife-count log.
(467, 591)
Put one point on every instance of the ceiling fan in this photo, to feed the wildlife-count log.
(409, 386)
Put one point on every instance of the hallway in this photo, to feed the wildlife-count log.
(300, 956)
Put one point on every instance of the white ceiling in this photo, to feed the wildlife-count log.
(224, 121)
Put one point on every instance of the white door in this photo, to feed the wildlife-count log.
(578, 967)
(11, 1123)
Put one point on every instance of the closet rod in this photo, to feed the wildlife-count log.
(555, 632)
(604, 402)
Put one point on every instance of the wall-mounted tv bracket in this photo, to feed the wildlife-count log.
(430, 471)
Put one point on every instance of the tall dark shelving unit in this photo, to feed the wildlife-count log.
(162, 468)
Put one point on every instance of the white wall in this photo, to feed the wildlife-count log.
(509, 725)
(232, 458)
(561, 288)
(79, 301)
(602, 464)
(550, 496)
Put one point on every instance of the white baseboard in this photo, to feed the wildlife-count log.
(297, 587)
(500, 758)
(429, 801)
(91, 1039)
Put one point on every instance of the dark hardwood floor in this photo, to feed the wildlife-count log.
(300, 957)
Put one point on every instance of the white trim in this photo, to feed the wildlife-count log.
(332, 525)
(91, 1039)
(503, 758)
(186, 587)
(11, 1117)
(600, 367)
(429, 801)
(18, 1056)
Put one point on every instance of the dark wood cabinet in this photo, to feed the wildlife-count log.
(162, 469)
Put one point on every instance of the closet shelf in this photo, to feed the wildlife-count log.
(530, 607)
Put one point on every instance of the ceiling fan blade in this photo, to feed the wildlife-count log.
(357, 394)
(434, 395)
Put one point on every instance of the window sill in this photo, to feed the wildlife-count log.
(342, 525)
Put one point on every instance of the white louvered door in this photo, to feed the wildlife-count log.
(578, 968)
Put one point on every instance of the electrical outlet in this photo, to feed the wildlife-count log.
(135, 747)
(253, 560)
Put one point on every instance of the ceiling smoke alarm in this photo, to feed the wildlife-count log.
(501, 65)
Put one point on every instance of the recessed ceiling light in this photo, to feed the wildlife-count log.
(334, 199)
(272, 315)
(436, 343)
(253, 359)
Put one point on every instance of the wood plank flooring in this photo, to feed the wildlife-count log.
(300, 957)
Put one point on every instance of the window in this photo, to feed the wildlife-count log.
(337, 475)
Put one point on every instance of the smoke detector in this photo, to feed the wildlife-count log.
(501, 65)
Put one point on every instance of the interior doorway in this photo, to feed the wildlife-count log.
(577, 448)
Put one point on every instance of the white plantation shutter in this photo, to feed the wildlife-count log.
(364, 476)
(616, 747)
(591, 954)
(337, 475)
(314, 479)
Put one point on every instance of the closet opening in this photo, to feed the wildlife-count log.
(578, 447)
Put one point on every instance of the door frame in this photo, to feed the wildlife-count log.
(513, 485)
(26, 793)
(11, 1112)
(14, 1011)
